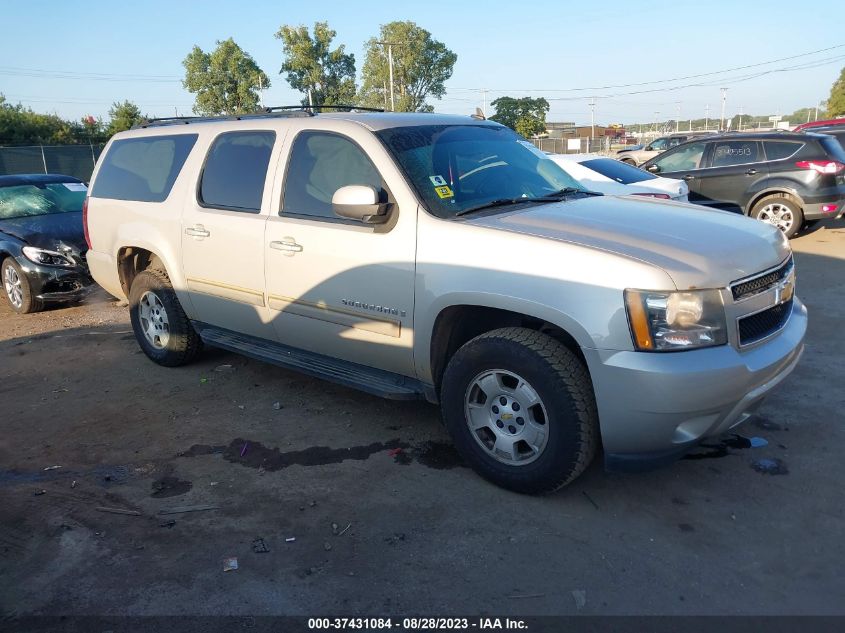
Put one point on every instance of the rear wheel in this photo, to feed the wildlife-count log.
(16, 288)
(782, 211)
(520, 408)
(161, 326)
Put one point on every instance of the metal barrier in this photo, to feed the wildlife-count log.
(72, 160)
(574, 145)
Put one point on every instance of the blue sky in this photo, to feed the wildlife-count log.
(540, 48)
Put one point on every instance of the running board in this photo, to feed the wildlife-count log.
(375, 381)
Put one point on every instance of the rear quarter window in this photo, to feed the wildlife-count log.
(780, 150)
(142, 169)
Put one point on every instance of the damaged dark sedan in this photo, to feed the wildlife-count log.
(42, 242)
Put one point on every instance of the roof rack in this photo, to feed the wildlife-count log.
(273, 111)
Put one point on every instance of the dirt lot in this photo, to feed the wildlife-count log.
(385, 518)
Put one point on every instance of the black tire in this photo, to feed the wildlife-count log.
(183, 343)
(786, 200)
(28, 302)
(808, 224)
(563, 385)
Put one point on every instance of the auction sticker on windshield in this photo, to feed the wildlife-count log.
(444, 192)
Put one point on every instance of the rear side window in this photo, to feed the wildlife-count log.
(235, 170)
(726, 153)
(778, 150)
(617, 170)
(321, 163)
(142, 169)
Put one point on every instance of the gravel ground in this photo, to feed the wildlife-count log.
(363, 507)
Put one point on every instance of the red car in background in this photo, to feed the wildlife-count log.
(824, 123)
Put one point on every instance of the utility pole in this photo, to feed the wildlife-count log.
(740, 118)
(724, 99)
(592, 119)
(655, 120)
(706, 117)
(260, 92)
(678, 118)
(817, 112)
(484, 92)
(390, 46)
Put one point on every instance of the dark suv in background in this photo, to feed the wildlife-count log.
(784, 178)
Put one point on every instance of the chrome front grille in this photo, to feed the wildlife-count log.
(746, 288)
(763, 303)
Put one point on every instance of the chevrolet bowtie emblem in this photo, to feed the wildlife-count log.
(507, 416)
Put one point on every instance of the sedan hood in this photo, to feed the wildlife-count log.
(695, 246)
(52, 231)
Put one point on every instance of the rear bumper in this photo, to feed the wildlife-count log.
(653, 408)
(103, 269)
(814, 205)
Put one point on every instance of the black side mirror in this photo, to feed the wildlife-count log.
(649, 148)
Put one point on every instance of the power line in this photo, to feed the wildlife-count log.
(660, 81)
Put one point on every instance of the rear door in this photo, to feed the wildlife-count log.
(684, 163)
(223, 232)
(732, 172)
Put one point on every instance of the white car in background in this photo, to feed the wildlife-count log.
(613, 177)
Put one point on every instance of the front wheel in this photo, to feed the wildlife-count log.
(17, 289)
(161, 326)
(520, 408)
(782, 211)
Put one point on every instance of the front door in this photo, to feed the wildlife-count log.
(733, 169)
(684, 163)
(223, 233)
(336, 286)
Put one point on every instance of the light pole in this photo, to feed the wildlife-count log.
(724, 99)
(592, 119)
(678, 118)
(390, 46)
(706, 117)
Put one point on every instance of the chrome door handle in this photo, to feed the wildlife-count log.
(197, 231)
(689, 177)
(751, 172)
(287, 244)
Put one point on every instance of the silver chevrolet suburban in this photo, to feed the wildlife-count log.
(421, 256)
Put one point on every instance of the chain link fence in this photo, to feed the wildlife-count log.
(72, 160)
(574, 145)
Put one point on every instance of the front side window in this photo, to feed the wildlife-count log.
(455, 168)
(727, 153)
(19, 201)
(235, 170)
(660, 144)
(321, 163)
(682, 158)
(142, 169)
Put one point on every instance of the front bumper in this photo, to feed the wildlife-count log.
(54, 283)
(655, 407)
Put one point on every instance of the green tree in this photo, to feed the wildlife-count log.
(226, 80)
(22, 126)
(836, 101)
(526, 116)
(421, 66)
(312, 67)
(122, 116)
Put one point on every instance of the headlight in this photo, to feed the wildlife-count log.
(670, 321)
(47, 258)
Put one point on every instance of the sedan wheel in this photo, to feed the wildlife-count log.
(14, 289)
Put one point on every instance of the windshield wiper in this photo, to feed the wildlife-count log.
(503, 202)
(562, 193)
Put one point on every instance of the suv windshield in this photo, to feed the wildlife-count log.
(20, 201)
(458, 168)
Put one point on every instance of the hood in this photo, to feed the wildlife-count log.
(697, 247)
(52, 231)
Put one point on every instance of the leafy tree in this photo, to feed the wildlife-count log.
(421, 66)
(123, 115)
(22, 126)
(836, 101)
(313, 67)
(226, 80)
(526, 116)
